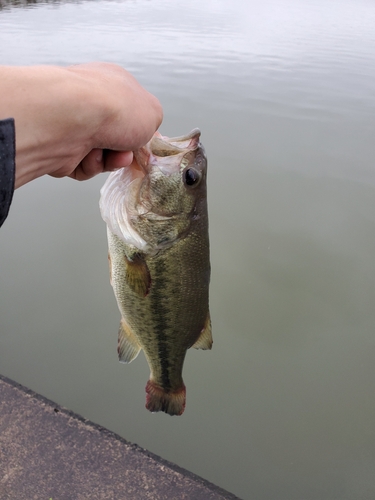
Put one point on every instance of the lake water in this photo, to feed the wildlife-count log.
(283, 407)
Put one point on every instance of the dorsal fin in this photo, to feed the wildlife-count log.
(204, 340)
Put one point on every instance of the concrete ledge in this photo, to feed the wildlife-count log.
(49, 452)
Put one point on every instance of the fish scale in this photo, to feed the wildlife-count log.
(162, 287)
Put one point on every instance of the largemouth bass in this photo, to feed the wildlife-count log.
(157, 227)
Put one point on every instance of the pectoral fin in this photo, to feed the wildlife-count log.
(138, 275)
(205, 338)
(127, 347)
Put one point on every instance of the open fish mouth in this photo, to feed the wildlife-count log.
(166, 152)
(120, 193)
(166, 146)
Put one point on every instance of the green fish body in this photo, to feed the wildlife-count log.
(157, 225)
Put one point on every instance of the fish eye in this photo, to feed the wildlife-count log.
(191, 177)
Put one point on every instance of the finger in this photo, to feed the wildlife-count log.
(113, 160)
(91, 165)
(98, 161)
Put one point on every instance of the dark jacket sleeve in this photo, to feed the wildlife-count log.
(7, 166)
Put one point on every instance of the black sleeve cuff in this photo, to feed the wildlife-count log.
(7, 166)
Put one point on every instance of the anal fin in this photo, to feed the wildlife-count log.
(128, 347)
(204, 340)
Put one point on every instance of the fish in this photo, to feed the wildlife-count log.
(159, 259)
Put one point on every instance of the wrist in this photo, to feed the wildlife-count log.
(53, 112)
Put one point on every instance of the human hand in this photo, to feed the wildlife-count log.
(66, 117)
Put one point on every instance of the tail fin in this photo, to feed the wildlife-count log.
(171, 402)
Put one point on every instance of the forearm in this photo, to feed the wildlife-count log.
(52, 109)
(64, 117)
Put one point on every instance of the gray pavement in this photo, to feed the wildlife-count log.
(48, 452)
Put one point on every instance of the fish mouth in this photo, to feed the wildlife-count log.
(120, 193)
(165, 152)
(167, 146)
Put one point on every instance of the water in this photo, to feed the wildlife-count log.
(283, 407)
